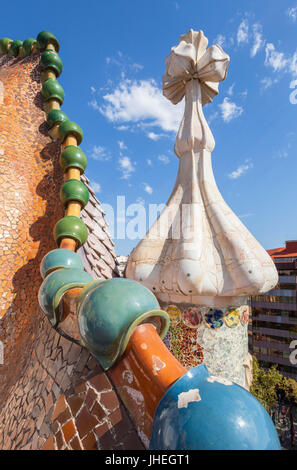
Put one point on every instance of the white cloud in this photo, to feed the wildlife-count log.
(141, 102)
(220, 40)
(154, 136)
(243, 32)
(212, 117)
(124, 63)
(290, 143)
(149, 162)
(243, 93)
(274, 59)
(100, 153)
(245, 216)
(126, 167)
(123, 128)
(96, 186)
(93, 89)
(258, 39)
(223, 41)
(230, 90)
(140, 200)
(241, 170)
(279, 62)
(148, 189)
(122, 145)
(282, 154)
(94, 105)
(164, 159)
(230, 42)
(292, 13)
(230, 110)
(293, 64)
(137, 67)
(267, 82)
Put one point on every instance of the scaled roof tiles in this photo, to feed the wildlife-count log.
(98, 254)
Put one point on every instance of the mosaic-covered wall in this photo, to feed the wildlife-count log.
(53, 394)
(211, 336)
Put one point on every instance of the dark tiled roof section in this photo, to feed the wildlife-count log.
(98, 254)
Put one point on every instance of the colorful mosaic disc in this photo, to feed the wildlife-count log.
(174, 314)
(167, 340)
(192, 317)
(244, 314)
(214, 318)
(232, 317)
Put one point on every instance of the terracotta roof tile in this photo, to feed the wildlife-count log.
(290, 250)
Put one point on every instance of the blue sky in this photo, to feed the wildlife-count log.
(114, 58)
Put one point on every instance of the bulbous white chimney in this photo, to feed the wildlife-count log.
(198, 258)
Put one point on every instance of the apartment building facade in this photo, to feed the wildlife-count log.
(273, 324)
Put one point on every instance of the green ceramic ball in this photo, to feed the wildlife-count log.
(108, 312)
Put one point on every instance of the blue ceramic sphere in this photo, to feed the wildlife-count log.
(202, 412)
(108, 312)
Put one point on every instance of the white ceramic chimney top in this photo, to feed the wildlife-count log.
(198, 251)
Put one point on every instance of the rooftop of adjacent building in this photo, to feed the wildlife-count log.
(288, 251)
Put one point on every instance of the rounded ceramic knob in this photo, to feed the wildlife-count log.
(44, 38)
(203, 412)
(4, 43)
(60, 258)
(109, 311)
(27, 46)
(55, 285)
(70, 128)
(74, 190)
(56, 116)
(51, 88)
(50, 60)
(73, 157)
(71, 227)
(15, 48)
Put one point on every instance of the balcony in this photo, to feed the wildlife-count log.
(275, 305)
(274, 360)
(287, 280)
(275, 332)
(282, 292)
(277, 319)
(272, 345)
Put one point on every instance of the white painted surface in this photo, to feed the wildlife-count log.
(190, 396)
